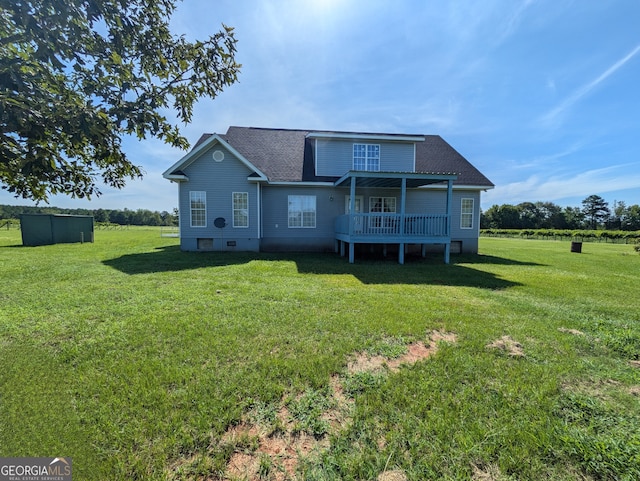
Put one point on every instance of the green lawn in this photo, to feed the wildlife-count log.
(139, 361)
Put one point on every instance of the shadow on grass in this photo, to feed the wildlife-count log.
(416, 270)
(171, 258)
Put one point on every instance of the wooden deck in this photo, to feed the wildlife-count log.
(385, 228)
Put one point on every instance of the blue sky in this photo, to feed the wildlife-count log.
(543, 96)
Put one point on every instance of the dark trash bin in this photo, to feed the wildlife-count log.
(576, 247)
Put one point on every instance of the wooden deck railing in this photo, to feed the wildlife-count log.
(393, 225)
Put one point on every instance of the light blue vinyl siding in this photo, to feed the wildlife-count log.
(218, 180)
(421, 201)
(334, 157)
(468, 237)
(276, 235)
(434, 201)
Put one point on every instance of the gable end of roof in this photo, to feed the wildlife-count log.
(204, 142)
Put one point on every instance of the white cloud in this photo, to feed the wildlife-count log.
(552, 117)
(546, 160)
(513, 20)
(555, 187)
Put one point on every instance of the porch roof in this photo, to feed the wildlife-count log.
(393, 179)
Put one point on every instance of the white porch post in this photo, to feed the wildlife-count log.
(447, 246)
(352, 210)
(403, 202)
(352, 204)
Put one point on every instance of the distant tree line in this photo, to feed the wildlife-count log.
(113, 216)
(595, 213)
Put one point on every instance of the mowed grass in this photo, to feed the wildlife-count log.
(131, 357)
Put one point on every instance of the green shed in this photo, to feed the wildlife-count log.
(44, 229)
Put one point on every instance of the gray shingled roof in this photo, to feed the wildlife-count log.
(287, 155)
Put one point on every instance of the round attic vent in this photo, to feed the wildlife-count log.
(218, 156)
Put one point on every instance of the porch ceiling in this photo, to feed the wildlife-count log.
(393, 179)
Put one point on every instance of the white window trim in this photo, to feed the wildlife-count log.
(463, 213)
(234, 209)
(302, 226)
(366, 158)
(191, 209)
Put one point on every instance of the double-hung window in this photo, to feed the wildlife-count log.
(198, 208)
(366, 157)
(466, 214)
(302, 211)
(240, 209)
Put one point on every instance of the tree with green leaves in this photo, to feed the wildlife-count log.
(503, 216)
(529, 215)
(77, 76)
(550, 215)
(624, 217)
(596, 210)
(572, 218)
(632, 218)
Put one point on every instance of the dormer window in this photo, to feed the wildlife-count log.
(366, 157)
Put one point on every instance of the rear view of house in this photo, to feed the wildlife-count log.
(255, 189)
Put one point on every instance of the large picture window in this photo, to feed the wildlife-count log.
(366, 157)
(466, 214)
(302, 211)
(240, 209)
(198, 207)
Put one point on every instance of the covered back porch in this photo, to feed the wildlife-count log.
(394, 227)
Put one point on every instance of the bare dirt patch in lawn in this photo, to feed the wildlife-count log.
(489, 472)
(260, 448)
(393, 475)
(575, 332)
(273, 449)
(416, 351)
(243, 466)
(365, 362)
(508, 345)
